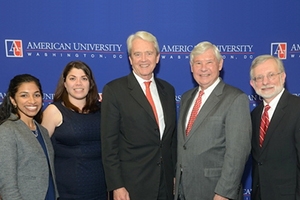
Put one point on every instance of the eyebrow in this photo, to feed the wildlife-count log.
(76, 76)
(25, 92)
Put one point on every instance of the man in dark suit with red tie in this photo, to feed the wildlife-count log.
(276, 133)
(138, 131)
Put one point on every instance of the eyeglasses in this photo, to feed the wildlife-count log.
(270, 76)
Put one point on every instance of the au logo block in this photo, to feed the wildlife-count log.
(14, 48)
(279, 50)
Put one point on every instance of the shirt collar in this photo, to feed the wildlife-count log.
(141, 81)
(275, 101)
(209, 90)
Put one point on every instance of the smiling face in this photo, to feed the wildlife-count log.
(77, 85)
(143, 58)
(28, 100)
(206, 68)
(268, 80)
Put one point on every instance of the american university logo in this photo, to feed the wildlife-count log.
(13, 48)
(279, 50)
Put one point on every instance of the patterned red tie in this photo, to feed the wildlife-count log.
(194, 113)
(264, 124)
(149, 97)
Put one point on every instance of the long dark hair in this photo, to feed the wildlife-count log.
(6, 108)
(92, 98)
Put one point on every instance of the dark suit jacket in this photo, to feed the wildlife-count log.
(133, 153)
(276, 166)
(212, 158)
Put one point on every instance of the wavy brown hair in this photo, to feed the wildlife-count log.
(92, 98)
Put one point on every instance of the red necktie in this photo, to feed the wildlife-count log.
(149, 97)
(194, 113)
(264, 124)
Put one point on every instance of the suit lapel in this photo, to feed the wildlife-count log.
(47, 144)
(164, 103)
(276, 119)
(185, 108)
(207, 107)
(139, 96)
(256, 120)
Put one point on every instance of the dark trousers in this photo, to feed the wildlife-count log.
(162, 193)
(180, 189)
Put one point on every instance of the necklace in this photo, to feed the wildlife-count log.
(35, 132)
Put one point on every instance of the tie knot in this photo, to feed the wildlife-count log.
(147, 83)
(267, 107)
(201, 93)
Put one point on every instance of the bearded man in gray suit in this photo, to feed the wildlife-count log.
(213, 150)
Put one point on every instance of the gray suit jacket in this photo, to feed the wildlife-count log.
(24, 171)
(212, 158)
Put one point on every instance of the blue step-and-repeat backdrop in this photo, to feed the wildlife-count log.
(41, 37)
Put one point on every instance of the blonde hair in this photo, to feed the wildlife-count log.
(201, 47)
(144, 35)
(261, 59)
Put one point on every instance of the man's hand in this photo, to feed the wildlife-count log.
(121, 194)
(218, 197)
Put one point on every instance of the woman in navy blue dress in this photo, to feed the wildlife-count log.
(73, 122)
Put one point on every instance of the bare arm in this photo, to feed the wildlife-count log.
(52, 118)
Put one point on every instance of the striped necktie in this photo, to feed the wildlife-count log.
(194, 113)
(264, 124)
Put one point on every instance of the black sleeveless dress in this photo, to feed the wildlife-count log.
(78, 160)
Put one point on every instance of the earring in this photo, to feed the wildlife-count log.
(15, 106)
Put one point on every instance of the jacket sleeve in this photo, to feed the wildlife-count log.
(238, 131)
(8, 162)
(110, 120)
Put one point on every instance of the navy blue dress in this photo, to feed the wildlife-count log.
(51, 191)
(78, 160)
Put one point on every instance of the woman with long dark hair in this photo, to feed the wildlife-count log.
(26, 153)
(73, 122)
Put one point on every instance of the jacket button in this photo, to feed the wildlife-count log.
(184, 147)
